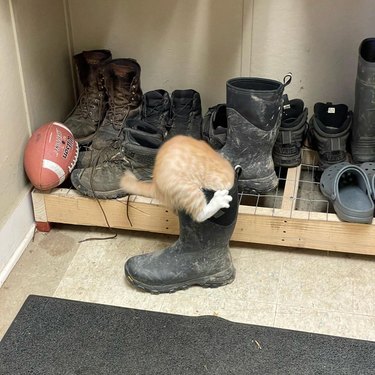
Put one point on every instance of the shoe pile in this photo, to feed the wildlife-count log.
(258, 127)
(120, 128)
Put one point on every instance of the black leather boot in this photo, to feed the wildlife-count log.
(186, 114)
(200, 256)
(215, 126)
(254, 108)
(363, 129)
(90, 108)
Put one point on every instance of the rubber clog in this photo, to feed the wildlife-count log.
(348, 188)
(369, 169)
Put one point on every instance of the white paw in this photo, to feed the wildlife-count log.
(221, 199)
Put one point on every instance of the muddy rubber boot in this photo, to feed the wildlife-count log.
(200, 256)
(138, 153)
(254, 109)
(363, 130)
(186, 114)
(90, 108)
(123, 86)
(329, 129)
(215, 126)
(287, 149)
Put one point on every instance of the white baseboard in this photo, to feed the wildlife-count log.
(15, 235)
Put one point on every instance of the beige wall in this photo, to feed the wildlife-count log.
(179, 44)
(36, 85)
(317, 40)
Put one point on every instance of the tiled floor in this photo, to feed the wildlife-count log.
(311, 291)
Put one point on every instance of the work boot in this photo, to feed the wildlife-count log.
(287, 149)
(137, 153)
(363, 130)
(90, 108)
(328, 133)
(186, 114)
(93, 157)
(123, 86)
(200, 256)
(215, 126)
(254, 109)
(156, 109)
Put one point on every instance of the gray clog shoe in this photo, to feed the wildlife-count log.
(347, 187)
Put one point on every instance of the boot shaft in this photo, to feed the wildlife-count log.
(258, 100)
(122, 79)
(254, 109)
(123, 86)
(363, 131)
(186, 114)
(89, 66)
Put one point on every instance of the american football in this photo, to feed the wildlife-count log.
(50, 155)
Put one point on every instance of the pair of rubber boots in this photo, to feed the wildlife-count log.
(98, 172)
(245, 129)
(110, 92)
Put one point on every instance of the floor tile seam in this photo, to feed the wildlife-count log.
(279, 283)
(67, 269)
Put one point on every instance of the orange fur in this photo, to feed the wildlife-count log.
(183, 167)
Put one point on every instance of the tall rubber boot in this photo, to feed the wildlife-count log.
(200, 256)
(363, 128)
(254, 109)
(90, 108)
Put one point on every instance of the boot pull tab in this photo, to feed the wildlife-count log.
(238, 170)
(287, 79)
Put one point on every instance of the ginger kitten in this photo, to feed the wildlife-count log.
(184, 167)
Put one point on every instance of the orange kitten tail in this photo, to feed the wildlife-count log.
(131, 185)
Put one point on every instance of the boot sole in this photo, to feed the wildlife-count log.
(112, 194)
(213, 281)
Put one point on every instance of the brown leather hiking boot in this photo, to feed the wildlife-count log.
(123, 86)
(90, 108)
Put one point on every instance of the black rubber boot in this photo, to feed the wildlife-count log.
(138, 153)
(292, 132)
(329, 129)
(200, 256)
(215, 126)
(186, 114)
(254, 108)
(363, 129)
(90, 108)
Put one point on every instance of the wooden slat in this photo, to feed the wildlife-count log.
(255, 225)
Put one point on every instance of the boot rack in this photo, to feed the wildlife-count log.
(296, 215)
